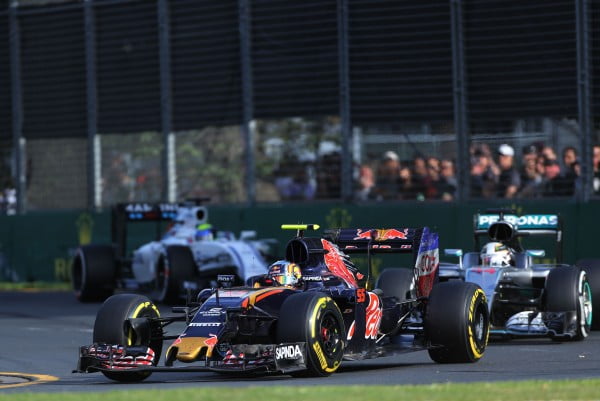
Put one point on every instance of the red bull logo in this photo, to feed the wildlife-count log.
(381, 234)
(374, 313)
(336, 265)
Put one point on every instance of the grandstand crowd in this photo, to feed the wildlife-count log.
(536, 171)
(502, 172)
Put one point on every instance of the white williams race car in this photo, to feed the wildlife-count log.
(189, 256)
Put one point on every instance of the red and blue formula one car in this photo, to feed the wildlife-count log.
(309, 313)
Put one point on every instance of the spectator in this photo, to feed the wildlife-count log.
(549, 153)
(596, 165)
(509, 180)
(387, 184)
(294, 182)
(539, 164)
(554, 183)
(570, 171)
(569, 156)
(8, 197)
(485, 149)
(483, 178)
(366, 183)
(419, 176)
(433, 180)
(530, 152)
(449, 183)
(406, 183)
(531, 180)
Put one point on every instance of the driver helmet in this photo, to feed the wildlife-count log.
(496, 254)
(285, 273)
(204, 231)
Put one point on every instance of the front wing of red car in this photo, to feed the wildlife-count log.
(282, 358)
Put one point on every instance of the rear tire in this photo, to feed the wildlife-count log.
(93, 273)
(567, 290)
(175, 267)
(592, 270)
(110, 328)
(315, 319)
(457, 322)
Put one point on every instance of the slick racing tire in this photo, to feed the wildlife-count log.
(396, 282)
(93, 273)
(110, 328)
(592, 270)
(175, 267)
(567, 290)
(313, 318)
(457, 322)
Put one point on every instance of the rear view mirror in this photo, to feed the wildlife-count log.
(453, 252)
(536, 253)
(246, 235)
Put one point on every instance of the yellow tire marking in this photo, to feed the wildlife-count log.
(33, 379)
(141, 306)
(474, 347)
(136, 312)
(316, 346)
(320, 356)
(313, 318)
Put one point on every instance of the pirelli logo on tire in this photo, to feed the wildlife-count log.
(478, 335)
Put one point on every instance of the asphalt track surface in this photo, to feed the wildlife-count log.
(40, 333)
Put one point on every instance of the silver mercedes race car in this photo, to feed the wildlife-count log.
(187, 257)
(525, 298)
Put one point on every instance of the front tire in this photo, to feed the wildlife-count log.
(93, 273)
(110, 328)
(592, 270)
(457, 322)
(567, 290)
(315, 319)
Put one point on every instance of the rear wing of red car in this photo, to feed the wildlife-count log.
(376, 240)
(421, 242)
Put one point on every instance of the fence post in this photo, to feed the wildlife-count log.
(584, 101)
(169, 167)
(459, 85)
(18, 142)
(344, 93)
(94, 162)
(247, 98)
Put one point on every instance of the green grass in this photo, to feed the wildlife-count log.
(505, 391)
(34, 286)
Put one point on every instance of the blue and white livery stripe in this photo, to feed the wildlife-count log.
(428, 257)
